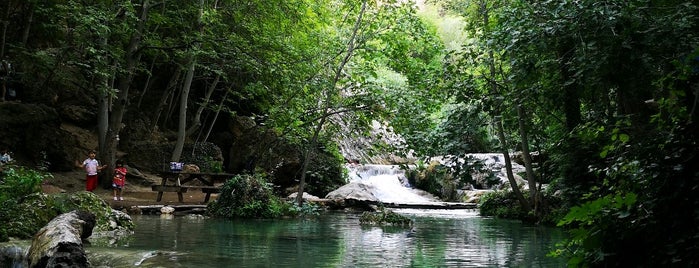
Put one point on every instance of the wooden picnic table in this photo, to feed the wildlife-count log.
(172, 181)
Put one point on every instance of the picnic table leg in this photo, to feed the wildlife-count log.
(209, 181)
(160, 193)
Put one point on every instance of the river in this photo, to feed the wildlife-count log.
(438, 238)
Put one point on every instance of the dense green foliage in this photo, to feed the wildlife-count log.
(503, 204)
(17, 182)
(609, 90)
(252, 196)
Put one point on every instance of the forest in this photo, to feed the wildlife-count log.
(603, 93)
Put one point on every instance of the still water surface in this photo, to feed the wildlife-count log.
(437, 239)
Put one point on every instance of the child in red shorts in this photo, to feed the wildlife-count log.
(119, 180)
(92, 167)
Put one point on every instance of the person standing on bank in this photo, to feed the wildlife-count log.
(119, 180)
(92, 167)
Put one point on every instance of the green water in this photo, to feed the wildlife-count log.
(437, 239)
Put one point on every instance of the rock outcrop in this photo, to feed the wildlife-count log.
(353, 190)
(59, 243)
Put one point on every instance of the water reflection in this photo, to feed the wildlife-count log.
(437, 239)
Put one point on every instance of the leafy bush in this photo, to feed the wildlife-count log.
(325, 171)
(592, 220)
(501, 204)
(23, 218)
(428, 179)
(504, 204)
(17, 182)
(249, 196)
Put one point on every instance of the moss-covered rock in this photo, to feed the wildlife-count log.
(385, 217)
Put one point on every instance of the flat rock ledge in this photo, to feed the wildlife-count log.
(59, 243)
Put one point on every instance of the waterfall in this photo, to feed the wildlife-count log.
(388, 184)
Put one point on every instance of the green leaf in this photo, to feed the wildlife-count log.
(624, 138)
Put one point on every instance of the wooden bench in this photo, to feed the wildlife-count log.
(171, 183)
(208, 190)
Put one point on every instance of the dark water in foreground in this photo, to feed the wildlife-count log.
(437, 239)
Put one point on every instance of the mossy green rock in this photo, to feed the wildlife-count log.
(385, 217)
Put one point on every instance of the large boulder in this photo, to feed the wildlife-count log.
(59, 243)
(353, 190)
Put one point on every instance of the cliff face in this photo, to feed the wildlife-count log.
(34, 135)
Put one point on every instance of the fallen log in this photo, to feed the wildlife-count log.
(59, 243)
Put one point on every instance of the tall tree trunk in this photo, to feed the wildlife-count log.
(103, 109)
(196, 121)
(5, 24)
(218, 111)
(328, 104)
(167, 95)
(483, 5)
(121, 103)
(575, 178)
(29, 19)
(531, 179)
(182, 126)
(508, 165)
(148, 82)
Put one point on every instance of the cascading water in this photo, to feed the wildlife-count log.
(388, 184)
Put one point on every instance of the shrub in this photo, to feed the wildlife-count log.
(501, 204)
(249, 196)
(17, 182)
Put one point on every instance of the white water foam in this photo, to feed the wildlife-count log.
(389, 184)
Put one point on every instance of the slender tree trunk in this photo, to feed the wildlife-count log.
(575, 175)
(5, 24)
(103, 109)
(508, 165)
(531, 179)
(120, 105)
(147, 84)
(328, 104)
(182, 126)
(167, 95)
(218, 111)
(483, 6)
(196, 121)
(27, 24)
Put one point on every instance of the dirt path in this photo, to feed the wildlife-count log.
(136, 192)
